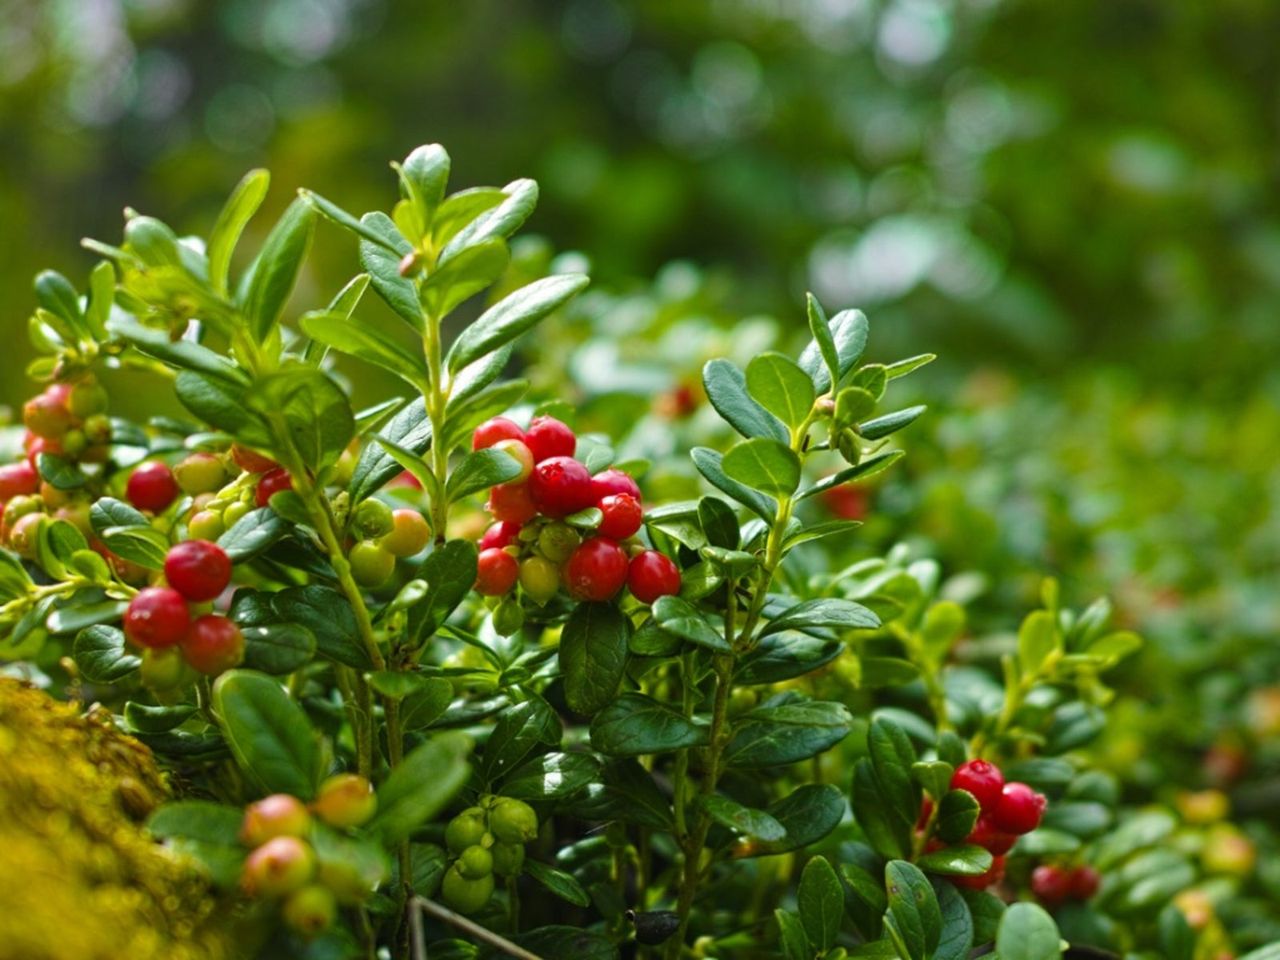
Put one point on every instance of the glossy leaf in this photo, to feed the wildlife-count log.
(633, 725)
(102, 656)
(208, 833)
(480, 471)
(450, 572)
(362, 341)
(382, 262)
(405, 801)
(269, 735)
(966, 860)
(235, 215)
(726, 387)
(510, 317)
(913, 913)
(849, 337)
(520, 729)
(710, 464)
(765, 465)
(820, 899)
(889, 423)
(808, 814)
(781, 387)
(679, 617)
(833, 612)
(771, 736)
(253, 534)
(562, 884)
(278, 648)
(593, 656)
(957, 815)
(276, 270)
(552, 776)
(1027, 932)
(410, 429)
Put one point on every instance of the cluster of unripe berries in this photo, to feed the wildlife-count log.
(1055, 884)
(159, 620)
(531, 544)
(485, 840)
(1007, 811)
(283, 864)
(383, 535)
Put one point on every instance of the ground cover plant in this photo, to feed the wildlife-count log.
(603, 721)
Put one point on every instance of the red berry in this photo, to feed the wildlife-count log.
(984, 780)
(501, 534)
(652, 575)
(405, 479)
(560, 486)
(547, 437)
(496, 572)
(512, 503)
(213, 644)
(152, 487)
(1052, 884)
(491, 431)
(1084, 883)
(609, 482)
(994, 875)
(1019, 810)
(990, 837)
(47, 415)
(18, 480)
(198, 569)
(622, 516)
(596, 570)
(272, 482)
(157, 617)
(250, 461)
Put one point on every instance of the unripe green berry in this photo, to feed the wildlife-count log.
(371, 564)
(513, 821)
(373, 519)
(74, 443)
(165, 669)
(475, 862)
(409, 533)
(465, 830)
(88, 397)
(463, 895)
(200, 473)
(539, 578)
(508, 617)
(557, 541)
(206, 525)
(97, 429)
(310, 911)
(234, 513)
(24, 534)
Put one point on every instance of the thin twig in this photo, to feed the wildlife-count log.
(471, 928)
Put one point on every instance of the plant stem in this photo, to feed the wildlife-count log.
(472, 929)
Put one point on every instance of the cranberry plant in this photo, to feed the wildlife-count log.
(590, 729)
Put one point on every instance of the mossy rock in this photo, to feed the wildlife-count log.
(81, 877)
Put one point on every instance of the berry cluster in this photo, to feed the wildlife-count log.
(383, 535)
(1007, 811)
(159, 618)
(485, 840)
(284, 864)
(532, 544)
(1055, 884)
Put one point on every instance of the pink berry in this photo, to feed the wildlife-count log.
(157, 617)
(152, 487)
(1052, 884)
(198, 569)
(652, 575)
(1084, 883)
(609, 482)
(547, 437)
(560, 486)
(984, 780)
(491, 431)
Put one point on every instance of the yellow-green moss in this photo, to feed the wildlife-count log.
(80, 877)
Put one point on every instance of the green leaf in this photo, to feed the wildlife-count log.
(1027, 932)
(933, 775)
(834, 612)
(718, 522)
(821, 901)
(593, 656)
(808, 814)
(421, 786)
(556, 942)
(775, 735)
(781, 387)
(1270, 952)
(482, 405)
(765, 465)
(510, 317)
(157, 719)
(425, 174)
(889, 834)
(102, 294)
(461, 208)
(956, 940)
(986, 910)
(742, 819)
(1037, 639)
(276, 269)
(279, 648)
(817, 531)
(1177, 939)
(222, 404)
(633, 725)
(849, 337)
(791, 936)
(55, 293)
(727, 390)
(521, 196)
(1111, 648)
(562, 884)
(681, 618)
(327, 614)
(480, 471)
(450, 573)
(427, 704)
(634, 796)
(183, 353)
(521, 729)
(77, 615)
(552, 776)
(784, 656)
(867, 468)
(269, 735)
(239, 209)
(59, 472)
(903, 367)
(332, 211)
(889, 423)
(709, 463)
(465, 275)
(957, 815)
(824, 344)
(145, 546)
(966, 860)
(252, 534)
(206, 832)
(102, 656)
(892, 756)
(362, 341)
(913, 912)
(410, 429)
(381, 260)
(307, 412)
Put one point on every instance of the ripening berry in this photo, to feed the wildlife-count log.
(547, 437)
(309, 912)
(622, 516)
(475, 862)
(513, 821)
(557, 541)
(466, 829)
(508, 617)
(539, 578)
(345, 800)
(164, 670)
(560, 486)
(87, 398)
(20, 507)
(1051, 883)
(372, 519)
(651, 575)
(279, 815)
(371, 564)
(512, 503)
(156, 617)
(272, 482)
(521, 454)
(609, 482)
(52, 497)
(200, 473)
(493, 430)
(18, 480)
(24, 534)
(409, 533)
(463, 895)
(993, 875)
(279, 866)
(1085, 882)
(197, 569)
(982, 779)
(250, 461)
(206, 525)
(1019, 810)
(990, 837)
(499, 535)
(46, 415)
(496, 572)
(213, 645)
(597, 570)
(152, 487)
